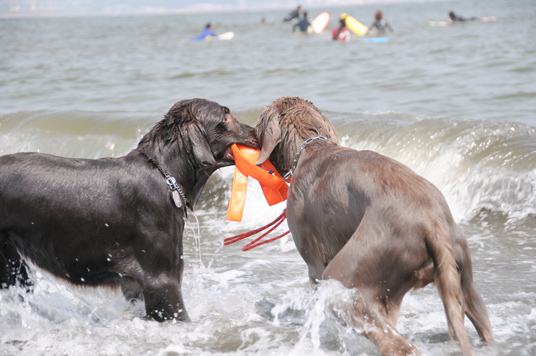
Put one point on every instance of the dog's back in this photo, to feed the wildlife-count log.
(378, 226)
(60, 213)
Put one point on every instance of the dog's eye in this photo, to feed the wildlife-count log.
(221, 126)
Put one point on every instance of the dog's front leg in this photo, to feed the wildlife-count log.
(163, 299)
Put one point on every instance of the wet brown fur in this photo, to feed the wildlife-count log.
(371, 223)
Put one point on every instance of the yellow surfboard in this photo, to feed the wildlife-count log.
(357, 27)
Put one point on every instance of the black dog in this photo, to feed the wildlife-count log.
(116, 221)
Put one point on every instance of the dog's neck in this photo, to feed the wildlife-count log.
(299, 152)
(175, 163)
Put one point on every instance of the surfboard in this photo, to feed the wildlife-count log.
(438, 23)
(375, 39)
(226, 36)
(488, 19)
(222, 37)
(320, 22)
(450, 22)
(357, 27)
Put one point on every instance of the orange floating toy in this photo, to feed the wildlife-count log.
(273, 186)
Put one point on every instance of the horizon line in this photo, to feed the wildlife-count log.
(18, 12)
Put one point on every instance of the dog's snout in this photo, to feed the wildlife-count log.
(249, 135)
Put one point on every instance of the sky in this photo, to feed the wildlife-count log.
(118, 7)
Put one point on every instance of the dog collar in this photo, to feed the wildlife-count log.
(302, 147)
(176, 192)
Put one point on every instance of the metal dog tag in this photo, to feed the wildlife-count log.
(176, 198)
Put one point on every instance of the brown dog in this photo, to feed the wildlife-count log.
(116, 221)
(371, 223)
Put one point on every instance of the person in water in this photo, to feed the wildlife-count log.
(208, 31)
(380, 23)
(454, 18)
(341, 33)
(303, 24)
(295, 14)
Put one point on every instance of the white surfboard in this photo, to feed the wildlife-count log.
(226, 36)
(438, 23)
(320, 22)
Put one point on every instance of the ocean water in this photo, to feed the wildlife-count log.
(455, 103)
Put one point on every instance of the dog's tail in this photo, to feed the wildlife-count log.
(448, 283)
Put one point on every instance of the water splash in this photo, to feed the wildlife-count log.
(477, 165)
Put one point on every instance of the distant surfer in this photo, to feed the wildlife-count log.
(208, 31)
(295, 14)
(303, 24)
(380, 23)
(341, 33)
(455, 18)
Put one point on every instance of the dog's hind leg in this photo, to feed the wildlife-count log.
(358, 266)
(131, 290)
(389, 341)
(369, 317)
(13, 269)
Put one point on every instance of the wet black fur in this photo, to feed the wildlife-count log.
(111, 221)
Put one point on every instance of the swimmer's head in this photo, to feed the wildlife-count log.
(378, 15)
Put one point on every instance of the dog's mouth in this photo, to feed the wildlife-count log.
(228, 155)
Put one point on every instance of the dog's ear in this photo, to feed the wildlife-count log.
(269, 133)
(200, 148)
(192, 132)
